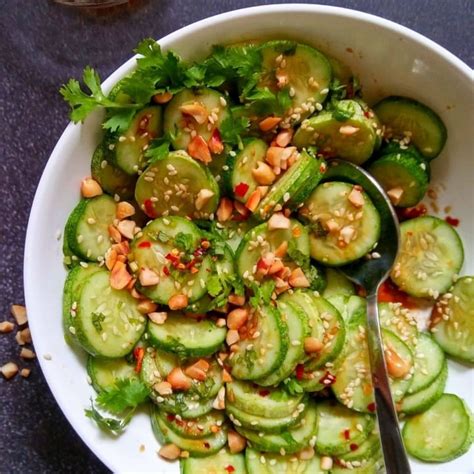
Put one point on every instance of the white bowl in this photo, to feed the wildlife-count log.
(389, 59)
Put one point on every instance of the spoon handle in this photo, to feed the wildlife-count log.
(396, 461)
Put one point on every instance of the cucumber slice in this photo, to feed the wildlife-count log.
(199, 447)
(364, 451)
(298, 329)
(112, 179)
(403, 172)
(179, 125)
(340, 428)
(131, 146)
(399, 320)
(186, 336)
(105, 373)
(150, 250)
(306, 70)
(247, 160)
(370, 466)
(430, 254)
(71, 294)
(444, 432)
(196, 428)
(305, 173)
(259, 241)
(401, 115)
(353, 139)
(354, 364)
(312, 381)
(429, 362)
(343, 233)
(87, 228)
(108, 323)
(294, 440)
(261, 423)
(171, 186)
(337, 284)
(257, 357)
(222, 462)
(452, 321)
(423, 399)
(269, 402)
(268, 463)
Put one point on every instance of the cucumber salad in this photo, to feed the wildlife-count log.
(203, 264)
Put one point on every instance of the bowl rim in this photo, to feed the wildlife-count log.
(34, 218)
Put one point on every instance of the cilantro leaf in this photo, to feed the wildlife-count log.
(184, 242)
(296, 255)
(119, 120)
(158, 150)
(232, 128)
(313, 274)
(112, 425)
(214, 285)
(126, 393)
(262, 294)
(292, 386)
(343, 111)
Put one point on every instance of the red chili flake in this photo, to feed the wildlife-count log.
(230, 468)
(241, 189)
(354, 446)
(299, 371)
(215, 142)
(347, 434)
(149, 208)
(264, 393)
(144, 245)
(170, 417)
(371, 407)
(389, 293)
(411, 212)
(174, 259)
(138, 353)
(166, 271)
(207, 445)
(452, 220)
(367, 113)
(327, 378)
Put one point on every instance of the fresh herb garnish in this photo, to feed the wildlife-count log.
(292, 386)
(262, 294)
(97, 320)
(343, 111)
(184, 242)
(112, 425)
(250, 357)
(313, 274)
(158, 150)
(232, 128)
(126, 393)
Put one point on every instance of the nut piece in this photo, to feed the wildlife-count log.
(147, 307)
(263, 174)
(119, 276)
(9, 370)
(127, 228)
(158, 318)
(224, 211)
(198, 371)
(90, 188)
(199, 149)
(348, 130)
(326, 463)
(25, 372)
(170, 452)
(280, 252)
(306, 453)
(332, 225)
(23, 337)
(178, 379)
(253, 201)
(163, 388)
(298, 279)
(283, 139)
(124, 210)
(27, 354)
(232, 336)
(110, 258)
(278, 221)
(6, 326)
(355, 196)
(396, 366)
(347, 233)
(203, 197)
(219, 401)
(268, 123)
(237, 318)
(178, 302)
(215, 142)
(226, 377)
(237, 443)
(19, 313)
(395, 194)
(148, 277)
(312, 345)
(196, 110)
(237, 300)
(162, 98)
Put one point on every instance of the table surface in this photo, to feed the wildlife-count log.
(41, 46)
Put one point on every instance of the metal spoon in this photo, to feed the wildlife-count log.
(370, 274)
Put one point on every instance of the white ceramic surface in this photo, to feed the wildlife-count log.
(389, 59)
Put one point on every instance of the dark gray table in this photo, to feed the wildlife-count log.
(41, 45)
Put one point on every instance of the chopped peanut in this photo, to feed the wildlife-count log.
(9, 370)
(224, 211)
(237, 318)
(396, 366)
(232, 336)
(110, 258)
(147, 307)
(312, 345)
(162, 98)
(219, 401)
(395, 194)
(25, 372)
(119, 276)
(27, 353)
(281, 250)
(122, 248)
(6, 326)
(241, 209)
(148, 277)
(124, 210)
(237, 443)
(226, 377)
(347, 233)
(115, 235)
(90, 188)
(136, 294)
(237, 300)
(269, 123)
(199, 149)
(198, 371)
(283, 139)
(178, 302)
(203, 197)
(158, 317)
(355, 197)
(281, 285)
(253, 201)
(127, 228)
(23, 337)
(163, 388)
(278, 221)
(196, 110)
(275, 267)
(332, 225)
(263, 174)
(348, 130)
(326, 463)
(263, 190)
(221, 322)
(298, 279)
(19, 313)
(306, 453)
(178, 379)
(170, 452)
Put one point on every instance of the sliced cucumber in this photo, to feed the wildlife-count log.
(254, 151)
(422, 400)
(268, 402)
(87, 228)
(364, 451)
(131, 146)
(268, 463)
(108, 323)
(199, 447)
(196, 428)
(342, 232)
(430, 254)
(156, 243)
(429, 362)
(260, 241)
(222, 462)
(171, 186)
(407, 117)
(179, 125)
(403, 173)
(353, 386)
(232, 232)
(400, 320)
(337, 284)
(294, 440)
(344, 132)
(444, 432)
(298, 329)
(264, 347)
(370, 466)
(287, 191)
(186, 336)
(105, 373)
(260, 423)
(112, 179)
(452, 321)
(340, 428)
(305, 70)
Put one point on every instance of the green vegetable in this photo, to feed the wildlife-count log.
(262, 294)
(127, 393)
(184, 242)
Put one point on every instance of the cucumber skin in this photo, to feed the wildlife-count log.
(205, 424)
(219, 460)
(372, 445)
(91, 371)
